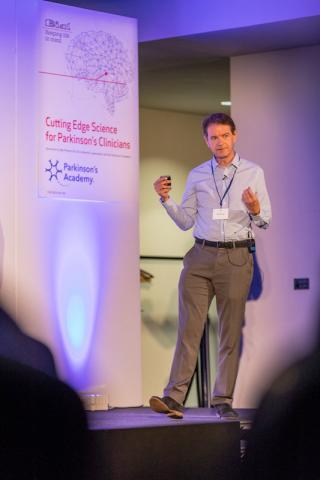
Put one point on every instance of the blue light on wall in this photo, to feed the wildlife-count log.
(76, 321)
(76, 274)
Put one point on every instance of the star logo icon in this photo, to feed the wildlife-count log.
(53, 170)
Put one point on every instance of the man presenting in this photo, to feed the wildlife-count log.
(223, 198)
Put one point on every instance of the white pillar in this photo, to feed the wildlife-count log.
(66, 261)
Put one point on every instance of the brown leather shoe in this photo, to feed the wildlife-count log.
(166, 405)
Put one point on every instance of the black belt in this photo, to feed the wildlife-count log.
(232, 244)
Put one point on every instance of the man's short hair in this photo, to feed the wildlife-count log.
(221, 118)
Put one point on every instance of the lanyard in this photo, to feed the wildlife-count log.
(228, 187)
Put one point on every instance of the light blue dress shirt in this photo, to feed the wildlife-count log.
(203, 194)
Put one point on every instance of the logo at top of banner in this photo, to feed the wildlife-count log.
(50, 23)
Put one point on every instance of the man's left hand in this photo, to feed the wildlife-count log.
(251, 201)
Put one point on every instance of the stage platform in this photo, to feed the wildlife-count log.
(138, 444)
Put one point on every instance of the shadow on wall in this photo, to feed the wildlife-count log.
(256, 284)
(255, 291)
(160, 310)
(163, 326)
(165, 330)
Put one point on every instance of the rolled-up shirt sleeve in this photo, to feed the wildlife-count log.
(184, 214)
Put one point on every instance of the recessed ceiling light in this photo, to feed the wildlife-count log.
(226, 103)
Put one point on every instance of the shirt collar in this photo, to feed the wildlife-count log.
(235, 162)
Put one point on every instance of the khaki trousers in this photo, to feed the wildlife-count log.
(209, 272)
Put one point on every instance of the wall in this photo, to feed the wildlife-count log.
(202, 16)
(7, 158)
(275, 102)
(275, 99)
(281, 91)
(177, 18)
(171, 143)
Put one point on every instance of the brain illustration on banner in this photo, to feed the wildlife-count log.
(100, 60)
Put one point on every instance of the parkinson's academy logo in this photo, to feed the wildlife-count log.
(71, 173)
(54, 172)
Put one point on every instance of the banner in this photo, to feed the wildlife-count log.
(88, 103)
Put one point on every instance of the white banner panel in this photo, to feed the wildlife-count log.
(88, 108)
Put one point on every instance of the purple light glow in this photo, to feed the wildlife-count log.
(76, 277)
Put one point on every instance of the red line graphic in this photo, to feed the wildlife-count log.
(83, 78)
(100, 76)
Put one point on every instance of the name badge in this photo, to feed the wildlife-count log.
(220, 214)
